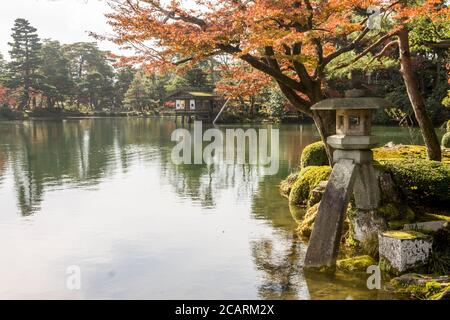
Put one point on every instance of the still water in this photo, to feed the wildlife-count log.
(103, 195)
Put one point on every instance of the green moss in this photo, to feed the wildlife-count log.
(421, 287)
(407, 234)
(446, 140)
(307, 180)
(358, 264)
(307, 224)
(421, 181)
(314, 155)
(401, 151)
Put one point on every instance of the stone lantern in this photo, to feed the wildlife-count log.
(352, 173)
(353, 139)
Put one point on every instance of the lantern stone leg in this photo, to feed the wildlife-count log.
(326, 235)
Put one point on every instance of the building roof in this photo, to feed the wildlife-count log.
(201, 94)
(185, 94)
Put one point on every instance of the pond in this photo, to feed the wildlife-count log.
(104, 196)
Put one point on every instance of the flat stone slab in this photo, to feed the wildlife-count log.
(352, 142)
(427, 225)
(404, 250)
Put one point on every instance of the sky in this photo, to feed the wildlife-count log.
(64, 20)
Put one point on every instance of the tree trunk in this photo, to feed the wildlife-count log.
(418, 104)
(325, 122)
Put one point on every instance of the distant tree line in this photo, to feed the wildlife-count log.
(45, 74)
(79, 76)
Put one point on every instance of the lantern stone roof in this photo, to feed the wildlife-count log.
(362, 103)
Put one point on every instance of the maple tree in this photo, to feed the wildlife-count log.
(294, 42)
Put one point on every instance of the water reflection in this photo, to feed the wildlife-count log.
(105, 194)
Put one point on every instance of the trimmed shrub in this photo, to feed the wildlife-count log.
(421, 181)
(314, 154)
(446, 140)
(308, 179)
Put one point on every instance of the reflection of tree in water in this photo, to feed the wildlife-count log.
(205, 183)
(279, 260)
(76, 153)
(3, 164)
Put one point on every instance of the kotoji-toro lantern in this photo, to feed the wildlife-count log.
(352, 173)
(353, 125)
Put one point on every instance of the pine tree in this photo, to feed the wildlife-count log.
(55, 83)
(25, 59)
(138, 95)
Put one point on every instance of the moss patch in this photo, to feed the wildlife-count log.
(421, 181)
(401, 151)
(356, 264)
(307, 224)
(407, 234)
(422, 287)
(307, 180)
(314, 155)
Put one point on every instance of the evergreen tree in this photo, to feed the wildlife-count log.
(123, 78)
(55, 82)
(25, 59)
(138, 96)
(92, 73)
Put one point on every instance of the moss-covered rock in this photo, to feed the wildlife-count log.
(314, 155)
(446, 140)
(418, 286)
(307, 224)
(316, 194)
(308, 179)
(355, 264)
(287, 183)
(421, 181)
(405, 234)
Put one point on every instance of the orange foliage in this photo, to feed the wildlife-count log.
(5, 97)
(291, 41)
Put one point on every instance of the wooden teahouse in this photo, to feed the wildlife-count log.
(195, 104)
